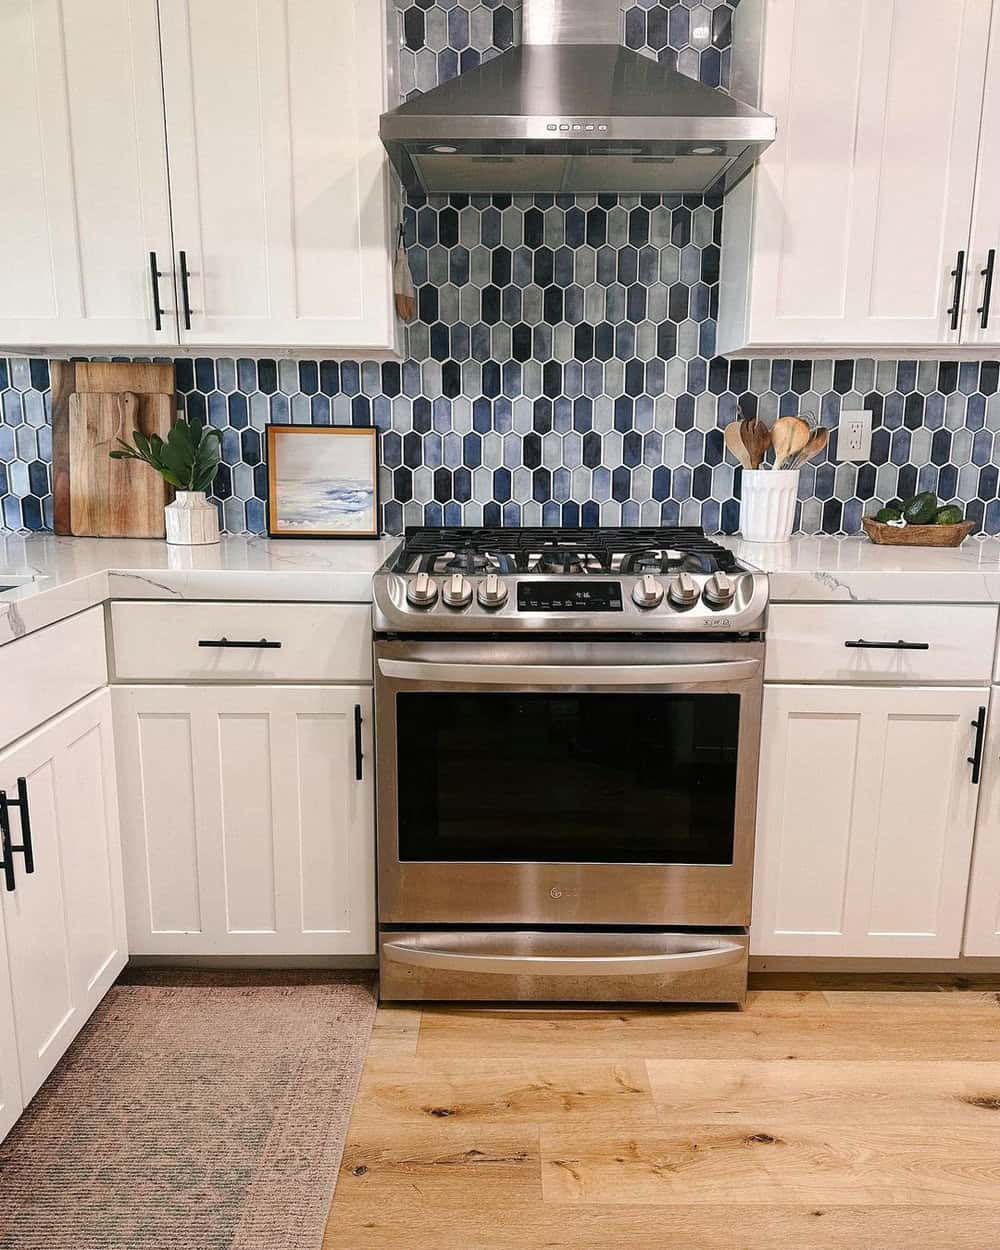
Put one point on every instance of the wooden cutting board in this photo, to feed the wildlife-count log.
(93, 405)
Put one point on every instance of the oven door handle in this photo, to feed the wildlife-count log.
(720, 955)
(569, 674)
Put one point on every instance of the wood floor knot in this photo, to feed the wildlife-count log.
(987, 1102)
(762, 1139)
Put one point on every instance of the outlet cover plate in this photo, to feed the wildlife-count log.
(854, 436)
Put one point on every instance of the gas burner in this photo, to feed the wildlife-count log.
(464, 560)
(467, 561)
(652, 560)
(565, 562)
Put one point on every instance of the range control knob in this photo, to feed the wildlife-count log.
(647, 592)
(422, 591)
(719, 591)
(457, 591)
(684, 591)
(492, 592)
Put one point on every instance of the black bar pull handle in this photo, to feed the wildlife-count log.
(958, 273)
(987, 273)
(7, 864)
(21, 803)
(861, 643)
(359, 754)
(185, 292)
(155, 274)
(262, 644)
(976, 758)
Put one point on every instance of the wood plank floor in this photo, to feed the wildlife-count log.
(831, 1114)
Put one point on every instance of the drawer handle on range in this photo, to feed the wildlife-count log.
(9, 850)
(890, 646)
(419, 956)
(976, 758)
(262, 644)
(569, 674)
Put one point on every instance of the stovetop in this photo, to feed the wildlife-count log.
(617, 580)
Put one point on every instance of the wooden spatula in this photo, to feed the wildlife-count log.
(756, 439)
(733, 435)
(789, 436)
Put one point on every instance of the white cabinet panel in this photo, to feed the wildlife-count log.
(865, 820)
(278, 178)
(85, 197)
(64, 922)
(982, 922)
(986, 215)
(853, 220)
(11, 1105)
(276, 833)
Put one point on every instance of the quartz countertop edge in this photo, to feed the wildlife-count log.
(72, 574)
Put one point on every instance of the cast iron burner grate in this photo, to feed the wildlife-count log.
(637, 549)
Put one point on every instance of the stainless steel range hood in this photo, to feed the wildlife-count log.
(571, 111)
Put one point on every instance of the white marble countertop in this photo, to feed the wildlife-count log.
(825, 569)
(71, 574)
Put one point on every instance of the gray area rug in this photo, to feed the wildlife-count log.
(196, 1111)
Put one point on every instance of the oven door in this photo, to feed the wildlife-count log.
(567, 783)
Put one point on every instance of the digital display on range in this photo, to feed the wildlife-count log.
(562, 596)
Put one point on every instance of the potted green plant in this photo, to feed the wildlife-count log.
(189, 460)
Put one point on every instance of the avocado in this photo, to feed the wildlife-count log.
(885, 515)
(950, 514)
(921, 508)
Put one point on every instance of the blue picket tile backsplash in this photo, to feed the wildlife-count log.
(562, 368)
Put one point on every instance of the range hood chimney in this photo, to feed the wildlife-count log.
(572, 112)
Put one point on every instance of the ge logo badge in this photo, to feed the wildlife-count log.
(555, 892)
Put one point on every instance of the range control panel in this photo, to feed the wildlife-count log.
(566, 596)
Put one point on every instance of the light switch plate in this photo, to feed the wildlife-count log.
(854, 436)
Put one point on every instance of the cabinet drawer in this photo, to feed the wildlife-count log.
(807, 642)
(194, 641)
(48, 670)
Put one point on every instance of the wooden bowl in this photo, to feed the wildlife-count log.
(917, 535)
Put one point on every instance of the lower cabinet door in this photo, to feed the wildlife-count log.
(865, 820)
(65, 921)
(248, 822)
(982, 921)
(10, 1071)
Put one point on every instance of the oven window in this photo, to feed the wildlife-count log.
(567, 778)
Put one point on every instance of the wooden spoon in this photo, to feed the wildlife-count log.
(733, 435)
(818, 439)
(756, 439)
(789, 436)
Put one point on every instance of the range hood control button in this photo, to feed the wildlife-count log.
(457, 591)
(647, 592)
(719, 591)
(422, 591)
(492, 592)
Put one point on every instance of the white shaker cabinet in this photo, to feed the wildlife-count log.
(11, 1104)
(277, 176)
(85, 196)
(248, 823)
(849, 231)
(982, 287)
(982, 921)
(865, 820)
(64, 922)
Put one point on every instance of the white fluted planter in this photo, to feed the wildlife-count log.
(767, 504)
(191, 520)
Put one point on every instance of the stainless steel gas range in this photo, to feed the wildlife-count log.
(567, 727)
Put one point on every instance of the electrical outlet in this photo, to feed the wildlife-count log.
(854, 436)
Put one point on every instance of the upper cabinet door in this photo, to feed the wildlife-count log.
(84, 199)
(982, 288)
(278, 178)
(849, 230)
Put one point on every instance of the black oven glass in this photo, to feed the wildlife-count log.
(567, 778)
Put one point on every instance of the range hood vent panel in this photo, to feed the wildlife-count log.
(573, 118)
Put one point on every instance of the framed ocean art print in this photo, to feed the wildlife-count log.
(322, 481)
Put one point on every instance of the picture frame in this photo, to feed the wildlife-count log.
(322, 481)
